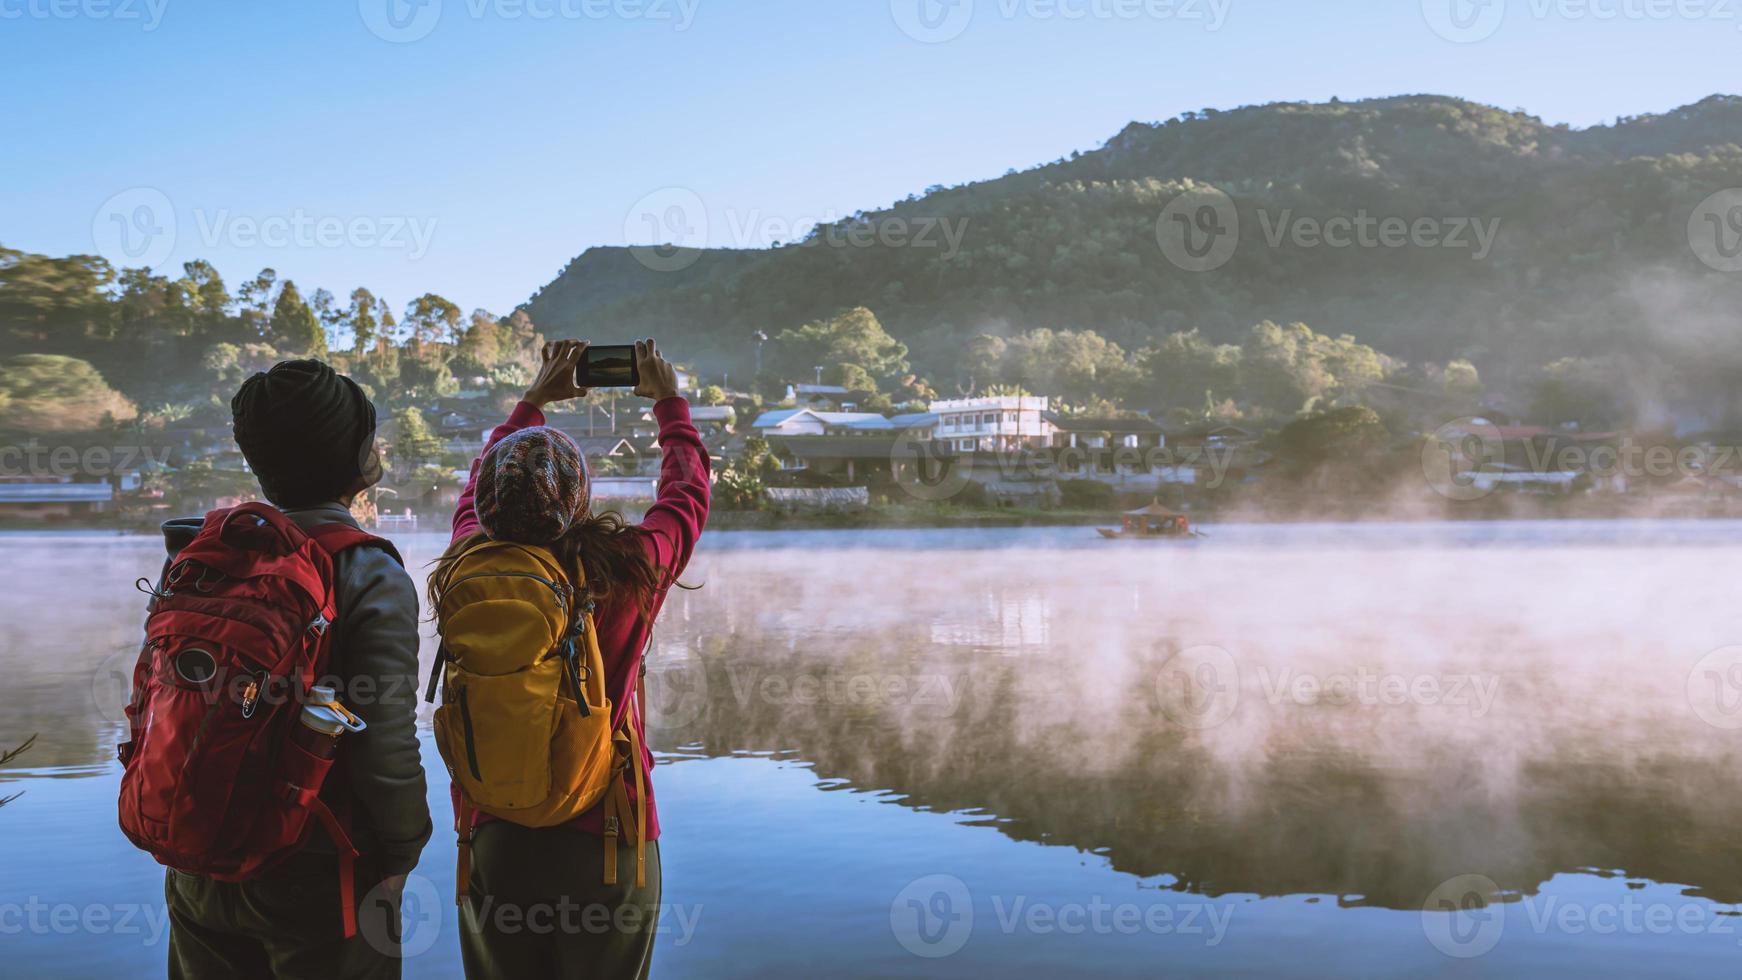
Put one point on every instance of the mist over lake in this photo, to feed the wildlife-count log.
(1298, 750)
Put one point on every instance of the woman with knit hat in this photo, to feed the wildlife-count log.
(531, 486)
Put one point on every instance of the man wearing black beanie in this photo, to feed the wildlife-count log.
(308, 434)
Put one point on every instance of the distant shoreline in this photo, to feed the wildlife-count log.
(1352, 512)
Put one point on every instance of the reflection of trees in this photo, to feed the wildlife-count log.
(1318, 805)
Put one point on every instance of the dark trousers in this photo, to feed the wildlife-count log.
(284, 924)
(539, 907)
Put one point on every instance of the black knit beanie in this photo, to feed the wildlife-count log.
(307, 432)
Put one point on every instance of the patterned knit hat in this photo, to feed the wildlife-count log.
(532, 485)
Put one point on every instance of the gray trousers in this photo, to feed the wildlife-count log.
(539, 908)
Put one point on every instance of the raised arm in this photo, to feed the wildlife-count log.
(677, 517)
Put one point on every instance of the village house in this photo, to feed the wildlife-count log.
(33, 500)
(999, 422)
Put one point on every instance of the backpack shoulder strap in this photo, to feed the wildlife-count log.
(336, 537)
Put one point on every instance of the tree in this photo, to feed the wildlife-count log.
(295, 328)
(711, 395)
(1341, 436)
(361, 320)
(255, 299)
(414, 444)
(850, 376)
(431, 319)
(851, 337)
(44, 393)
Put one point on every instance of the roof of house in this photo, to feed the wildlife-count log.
(603, 445)
(850, 420)
(914, 420)
(1083, 424)
(820, 389)
(56, 493)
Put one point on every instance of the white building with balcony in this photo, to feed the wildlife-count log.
(999, 422)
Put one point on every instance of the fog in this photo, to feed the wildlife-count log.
(1357, 711)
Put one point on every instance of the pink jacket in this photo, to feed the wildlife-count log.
(674, 522)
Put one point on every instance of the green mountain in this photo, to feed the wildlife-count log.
(1590, 254)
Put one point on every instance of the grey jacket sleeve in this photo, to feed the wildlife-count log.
(375, 642)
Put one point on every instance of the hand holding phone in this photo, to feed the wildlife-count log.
(556, 373)
(657, 379)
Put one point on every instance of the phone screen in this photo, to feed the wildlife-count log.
(610, 366)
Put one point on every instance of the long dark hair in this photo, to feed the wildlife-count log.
(608, 549)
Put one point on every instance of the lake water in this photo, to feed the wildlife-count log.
(1310, 750)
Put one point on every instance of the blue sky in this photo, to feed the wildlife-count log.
(472, 147)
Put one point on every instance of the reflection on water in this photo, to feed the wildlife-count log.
(1274, 712)
(1347, 722)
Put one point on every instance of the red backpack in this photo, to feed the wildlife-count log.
(240, 630)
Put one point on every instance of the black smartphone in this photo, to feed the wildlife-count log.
(608, 366)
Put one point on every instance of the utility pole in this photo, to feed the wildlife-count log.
(761, 337)
(819, 374)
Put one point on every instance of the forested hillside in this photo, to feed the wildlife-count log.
(1589, 267)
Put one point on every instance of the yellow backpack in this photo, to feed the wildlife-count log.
(525, 724)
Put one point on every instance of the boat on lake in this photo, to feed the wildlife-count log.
(1152, 523)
